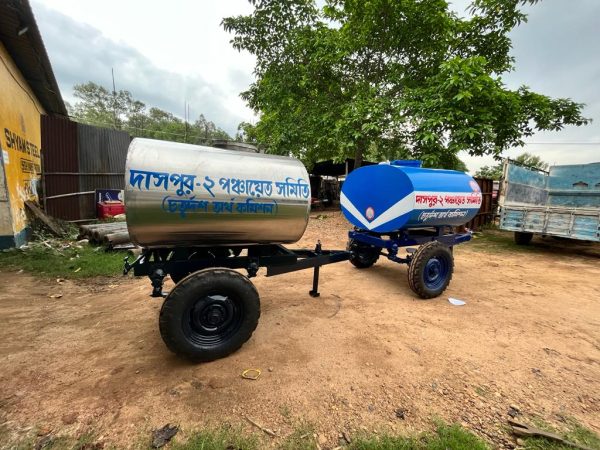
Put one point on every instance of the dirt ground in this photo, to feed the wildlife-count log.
(529, 336)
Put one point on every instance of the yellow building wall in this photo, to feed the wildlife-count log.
(20, 140)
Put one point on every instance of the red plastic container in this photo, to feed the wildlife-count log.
(109, 209)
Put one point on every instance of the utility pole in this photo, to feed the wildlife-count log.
(185, 120)
(112, 71)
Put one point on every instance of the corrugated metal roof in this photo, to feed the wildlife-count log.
(29, 54)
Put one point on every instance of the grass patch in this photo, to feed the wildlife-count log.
(445, 437)
(235, 439)
(63, 259)
(85, 441)
(48, 442)
(581, 435)
(494, 240)
(220, 439)
(285, 412)
(575, 433)
(301, 439)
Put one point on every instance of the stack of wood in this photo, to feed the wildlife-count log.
(111, 234)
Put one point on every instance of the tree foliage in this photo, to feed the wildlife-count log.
(98, 106)
(529, 160)
(492, 172)
(525, 159)
(389, 78)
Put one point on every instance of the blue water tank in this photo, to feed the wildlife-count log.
(389, 197)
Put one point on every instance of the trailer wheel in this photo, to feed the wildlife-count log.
(523, 238)
(210, 314)
(363, 255)
(430, 269)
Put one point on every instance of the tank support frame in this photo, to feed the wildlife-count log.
(392, 242)
(277, 259)
(157, 263)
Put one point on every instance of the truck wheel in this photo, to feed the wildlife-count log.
(363, 255)
(430, 269)
(210, 314)
(523, 238)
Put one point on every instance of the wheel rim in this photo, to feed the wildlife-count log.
(212, 319)
(436, 272)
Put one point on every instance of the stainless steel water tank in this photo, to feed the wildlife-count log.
(180, 194)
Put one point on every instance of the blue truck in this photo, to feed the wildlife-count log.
(563, 202)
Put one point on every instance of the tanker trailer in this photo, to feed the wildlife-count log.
(399, 204)
(200, 213)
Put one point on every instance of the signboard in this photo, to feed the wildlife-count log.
(20, 140)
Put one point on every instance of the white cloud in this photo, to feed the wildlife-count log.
(556, 55)
(168, 52)
(80, 52)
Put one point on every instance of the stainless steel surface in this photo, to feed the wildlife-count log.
(180, 194)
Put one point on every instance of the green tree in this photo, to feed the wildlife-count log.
(98, 106)
(393, 78)
(246, 132)
(493, 172)
(162, 124)
(95, 104)
(204, 131)
(525, 159)
(529, 160)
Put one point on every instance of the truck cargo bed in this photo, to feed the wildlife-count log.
(564, 202)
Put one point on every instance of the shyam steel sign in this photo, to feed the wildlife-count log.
(13, 140)
(20, 139)
(23, 169)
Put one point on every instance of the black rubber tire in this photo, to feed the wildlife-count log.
(220, 253)
(363, 256)
(186, 314)
(523, 238)
(419, 264)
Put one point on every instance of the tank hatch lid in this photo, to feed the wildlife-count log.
(406, 162)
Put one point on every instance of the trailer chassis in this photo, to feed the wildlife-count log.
(214, 309)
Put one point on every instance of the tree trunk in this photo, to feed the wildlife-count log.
(358, 155)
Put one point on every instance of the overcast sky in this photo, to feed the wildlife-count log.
(168, 52)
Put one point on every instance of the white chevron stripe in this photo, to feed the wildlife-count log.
(396, 210)
(352, 210)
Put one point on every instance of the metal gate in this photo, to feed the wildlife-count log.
(77, 159)
(488, 205)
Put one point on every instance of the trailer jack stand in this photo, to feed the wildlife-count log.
(157, 279)
(315, 289)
